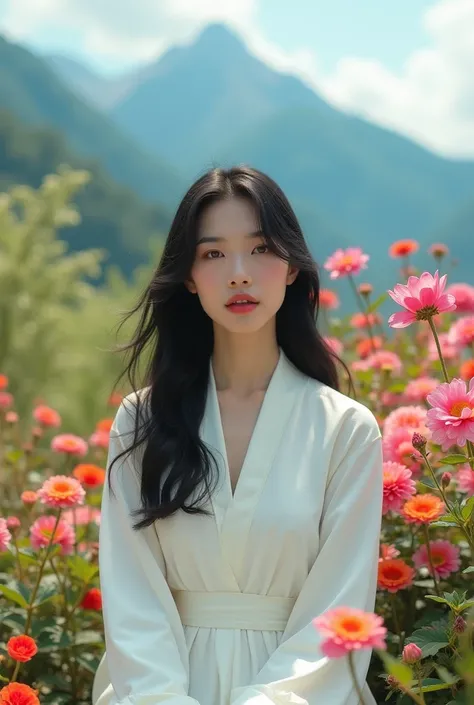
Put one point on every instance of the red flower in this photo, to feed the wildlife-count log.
(22, 648)
(92, 600)
(89, 475)
(18, 694)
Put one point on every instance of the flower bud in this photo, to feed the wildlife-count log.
(418, 441)
(438, 250)
(392, 682)
(13, 523)
(459, 625)
(446, 479)
(412, 653)
(365, 289)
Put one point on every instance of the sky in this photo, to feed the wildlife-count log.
(407, 65)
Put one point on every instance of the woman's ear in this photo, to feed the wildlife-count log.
(190, 286)
(292, 274)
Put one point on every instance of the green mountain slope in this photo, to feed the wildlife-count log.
(30, 89)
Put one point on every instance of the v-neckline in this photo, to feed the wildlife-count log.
(258, 423)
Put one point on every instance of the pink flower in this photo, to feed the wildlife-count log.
(422, 297)
(42, 529)
(444, 554)
(344, 262)
(13, 523)
(464, 295)
(465, 479)
(418, 389)
(412, 653)
(100, 439)
(413, 417)
(397, 447)
(461, 333)
(397, 486)
(388, 551)
(69, 444)
(84, 515)
(61, 491)
(384, 359)
(5, 535)
(335, 344)
(6, 400)
(349, 629)
(365, 320)
(451, 420)
(46, 416)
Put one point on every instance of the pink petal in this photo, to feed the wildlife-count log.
(401, 319)
(427, 297)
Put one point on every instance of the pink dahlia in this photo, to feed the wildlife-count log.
(61, 491)
(349, 629)
(422, 297)
(464, 295)
(344, 262)
(405, 417)
(444, 554)
(451, 420)
(42, 529)
(397, 447)
(465, 479)
(461, 333)
(397, 486)
(70, 444)
(5, 535)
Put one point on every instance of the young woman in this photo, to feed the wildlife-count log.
(245, 490)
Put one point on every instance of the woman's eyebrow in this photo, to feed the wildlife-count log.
(208, 238)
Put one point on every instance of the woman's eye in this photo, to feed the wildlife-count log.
(212, 254)
(261, 249)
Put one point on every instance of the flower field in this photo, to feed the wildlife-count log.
(414, 371)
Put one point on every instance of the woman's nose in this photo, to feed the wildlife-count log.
(239, 276)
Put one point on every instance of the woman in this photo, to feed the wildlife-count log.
(257, 485)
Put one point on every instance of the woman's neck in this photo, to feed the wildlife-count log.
(244, 363)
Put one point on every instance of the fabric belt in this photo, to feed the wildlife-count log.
(233, 610)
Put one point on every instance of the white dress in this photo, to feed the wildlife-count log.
(217, 610)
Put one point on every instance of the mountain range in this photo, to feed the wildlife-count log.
(211, 102)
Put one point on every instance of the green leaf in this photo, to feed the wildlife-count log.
(53, 640)
(399, 670)
(454, 459)
(82, 569)
(14, 620)
(377, 303)
(89, 637)
(14, 596)
(469, 569)
(445, 675)
(88, 663)
(46, 593)
(436, 598)
(432, 685)
(468, 509)
(430, 639)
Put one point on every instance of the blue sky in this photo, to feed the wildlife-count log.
(404, 65)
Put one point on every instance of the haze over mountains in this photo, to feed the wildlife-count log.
(212, 102)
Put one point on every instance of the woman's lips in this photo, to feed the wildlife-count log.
(241, 303)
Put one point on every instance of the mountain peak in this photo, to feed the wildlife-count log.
(218, 36)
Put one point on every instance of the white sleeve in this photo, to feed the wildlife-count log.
(146, 652)
(344, 574)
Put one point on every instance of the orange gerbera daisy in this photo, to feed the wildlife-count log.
(403, 248)
(394, 575)
(104, 425)
(61, 491)
(18, 694)
(423, 509)
(89, 474)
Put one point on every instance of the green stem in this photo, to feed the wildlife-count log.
(438, 346)
(430, 559)
(363, 308)
(396, 622)
(354, 678)
(420, 682)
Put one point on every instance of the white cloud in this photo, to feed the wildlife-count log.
(430, 100)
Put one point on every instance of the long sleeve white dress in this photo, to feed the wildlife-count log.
(217, 610)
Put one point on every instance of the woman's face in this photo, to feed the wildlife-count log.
(233, 263)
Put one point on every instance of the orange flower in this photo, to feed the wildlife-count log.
(346, 629)
(3, 382)
(467, 369)
(89, 474)
(22, 648)
(18, 694)
(328, 298)
(29, 497)
(92, 600)
(104, 425)
(61, 491)
(366, 346)
(394, 574)
(46, 416)
(115, 399)
(423, 509)
(403, 248)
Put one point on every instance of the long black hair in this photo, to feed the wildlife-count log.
(176, 466)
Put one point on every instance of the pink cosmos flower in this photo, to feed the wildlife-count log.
(464, 295)
(349, 629)
(451, 420)
(397, 486)
(418, 389)
(461, 333)
(344, 262)
(335, 344)
(70, 444)
(61, 491)
(365, 320)
(406, 417)
(42, 529)
(5, 535)
(422, 297)
(465, 479)
(397, 447)
(444, 554)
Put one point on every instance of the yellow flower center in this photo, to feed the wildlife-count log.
(457, 408)
(351, 627)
